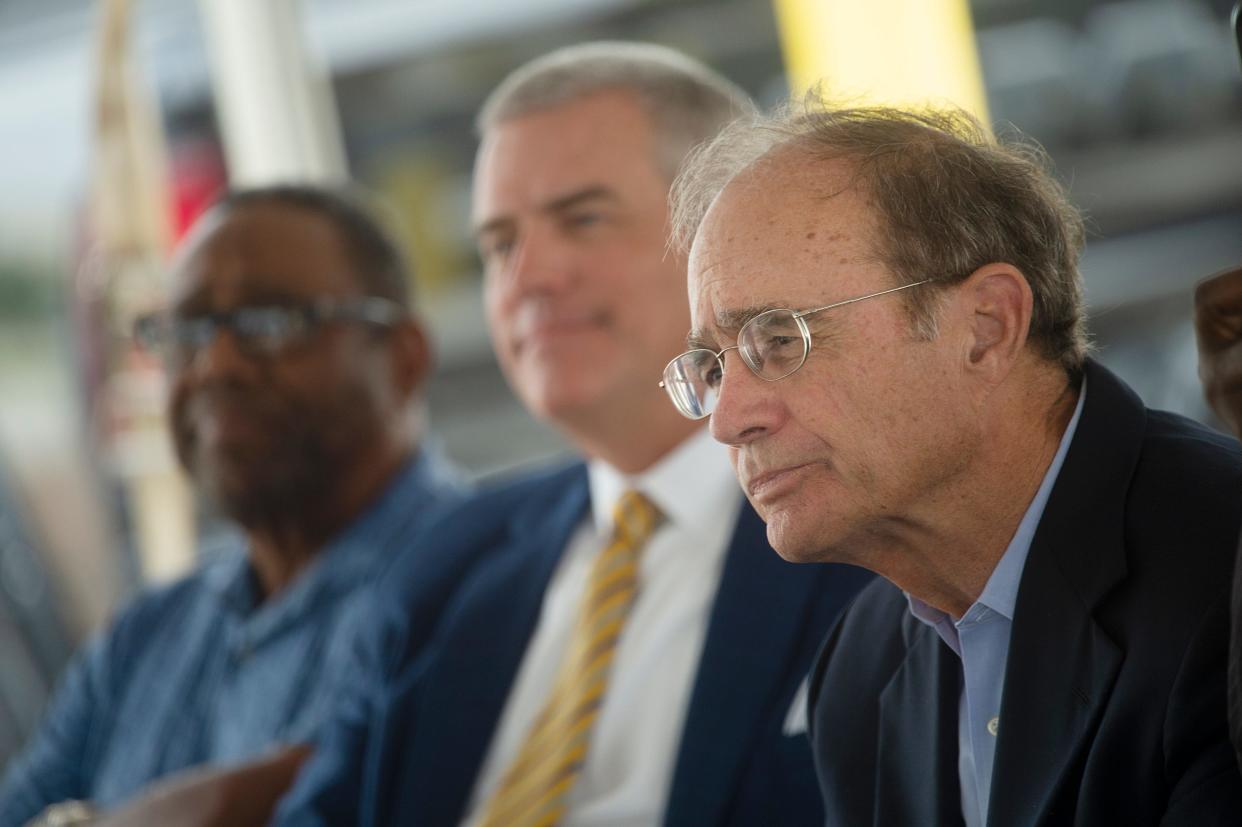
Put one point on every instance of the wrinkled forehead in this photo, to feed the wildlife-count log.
(781, 235)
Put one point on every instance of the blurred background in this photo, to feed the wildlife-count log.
(1139, 104)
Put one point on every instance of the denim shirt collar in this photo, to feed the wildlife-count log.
(357, 553)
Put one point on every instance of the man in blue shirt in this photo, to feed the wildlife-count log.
(296, 369)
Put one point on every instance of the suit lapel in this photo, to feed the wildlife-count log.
(476, 657)
(916, 754)
(1062, 664)
(1052, 703)
(752, 638)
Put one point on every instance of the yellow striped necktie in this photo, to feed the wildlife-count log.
(535, 787)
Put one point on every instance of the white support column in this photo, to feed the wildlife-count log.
(275, 104)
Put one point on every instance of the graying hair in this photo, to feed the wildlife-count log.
(688, 102)
(949, 198)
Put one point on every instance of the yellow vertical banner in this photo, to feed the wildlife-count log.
(901, 52)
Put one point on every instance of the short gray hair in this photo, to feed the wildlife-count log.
(950, 199)
(688, 102)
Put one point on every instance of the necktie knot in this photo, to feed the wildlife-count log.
(634, 518)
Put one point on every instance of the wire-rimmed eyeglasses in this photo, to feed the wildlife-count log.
(258, 330)
(773, 345)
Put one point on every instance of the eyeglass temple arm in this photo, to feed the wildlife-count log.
(860, 298)
(829, 307)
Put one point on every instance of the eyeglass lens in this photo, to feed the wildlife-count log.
(691, 380)
(256, 330)
(774, 344)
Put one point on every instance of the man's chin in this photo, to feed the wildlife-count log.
(792, 546)
(553, 400)
(235, 490)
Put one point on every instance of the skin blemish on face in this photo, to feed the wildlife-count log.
(811, 235)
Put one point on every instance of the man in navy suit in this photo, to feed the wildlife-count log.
(889, 335)
(702, 720)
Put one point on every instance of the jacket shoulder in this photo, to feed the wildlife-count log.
(1178, 451)
(480, 521)
(461, 540)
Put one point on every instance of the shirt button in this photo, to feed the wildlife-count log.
(993, 726)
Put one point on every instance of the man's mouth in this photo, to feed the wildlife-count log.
(229, 419)
(773, 484)
(546, 328)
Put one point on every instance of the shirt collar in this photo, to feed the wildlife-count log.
(692, 485)
(1000, 594)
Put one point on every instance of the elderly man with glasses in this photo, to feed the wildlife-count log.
(296, 369)
(888, 333)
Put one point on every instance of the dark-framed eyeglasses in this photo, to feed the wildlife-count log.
(774, 344)
(259, 330)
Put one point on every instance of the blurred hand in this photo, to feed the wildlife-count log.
(241, 796)
(1218, 326)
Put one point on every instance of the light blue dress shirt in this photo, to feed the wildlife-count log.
(981, 639)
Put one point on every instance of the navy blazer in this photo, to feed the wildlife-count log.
(433, 682)
(1114, 695)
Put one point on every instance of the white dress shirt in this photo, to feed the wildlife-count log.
(629, 766)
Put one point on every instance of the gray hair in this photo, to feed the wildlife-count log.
(950, 199)
(688, 102)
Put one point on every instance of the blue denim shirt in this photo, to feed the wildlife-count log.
(201, 672)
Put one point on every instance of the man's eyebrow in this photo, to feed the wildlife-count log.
(595, 192)
(492, 225)
(561, 203)
(700, 340)
(732, 320)
(727, 322)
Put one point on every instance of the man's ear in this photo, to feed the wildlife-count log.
(998, 300)
(412, 356)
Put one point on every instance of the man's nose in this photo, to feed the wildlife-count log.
(747, 407)
(223, 355)
(541, 264)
